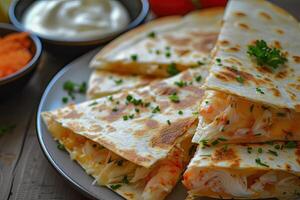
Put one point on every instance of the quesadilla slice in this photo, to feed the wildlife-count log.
(163, 47)
(103, 83)
(254, 78)
(255, 171)
(135, 142)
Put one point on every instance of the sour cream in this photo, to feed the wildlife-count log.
(75, 19)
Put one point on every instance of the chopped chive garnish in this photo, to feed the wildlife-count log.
(259, 162)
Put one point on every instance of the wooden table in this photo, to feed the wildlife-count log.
(25, 174)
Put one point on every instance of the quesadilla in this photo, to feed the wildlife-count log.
(104, 83)
(160, 48)
(135, 142)
(255, 171)
(163, 47)
(254, 77)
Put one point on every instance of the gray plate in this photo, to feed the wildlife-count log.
(77, 71)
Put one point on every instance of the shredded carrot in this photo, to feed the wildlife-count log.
(15, 53)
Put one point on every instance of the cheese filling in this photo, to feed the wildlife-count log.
(229, 183)
(111, 170)
(223, 115)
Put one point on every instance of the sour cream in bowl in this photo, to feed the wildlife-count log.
(76, 19)
(73, 27)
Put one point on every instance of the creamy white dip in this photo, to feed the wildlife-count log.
(76, 19)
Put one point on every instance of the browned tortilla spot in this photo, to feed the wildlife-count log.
(280, 32)
(169, 133)
(265, 15)
(224, 42)
(277, 44)
(276, 92)
(182, 52)
(296, 59)
(234, 49)
(166, 91)
(75, 127)
(282, 74)
(244, 26)
(151, 123)
(240, 14)
(115, 115)
(206, 44)
(73, 115)
(177, 41)
(224, 155)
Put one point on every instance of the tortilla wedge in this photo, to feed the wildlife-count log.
(103, 83)
(135, 142)
(255, 171)
(163, 47)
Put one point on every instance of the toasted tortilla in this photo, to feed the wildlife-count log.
(149, 49)
(153, 138)
(255, 171)
(244, 23)
(141, 125)
(127, 179)
(236, 120)
(103, 83)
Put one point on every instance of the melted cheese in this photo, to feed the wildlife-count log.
(230, 183)
(109, 169)
(228, 116)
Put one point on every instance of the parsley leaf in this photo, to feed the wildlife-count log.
(152, 34)
(259, 162)
(172, 70)
(174, 98)
(266, 56)
(115, 187)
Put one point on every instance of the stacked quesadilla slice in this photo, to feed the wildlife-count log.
(159, 49)
(248, 129)
(135, 142)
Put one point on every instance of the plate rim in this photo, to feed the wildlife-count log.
(38, 127)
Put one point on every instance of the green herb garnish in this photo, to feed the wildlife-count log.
(273, 152)
(152, 34)
(174, 98)
(180, 83)
(259, 162)
(240, 79)
(266, 56)
(115, 187)
(156, 109)
(169, 122)
(290, 145)
(259, 150)
(259, 90)
(172, 70)
(118, 82)
(134, 57)
(72, 88)
(61, 146)
(198, 78)
(65, 99)
(93, 103)
(180, 112)
(125, 180)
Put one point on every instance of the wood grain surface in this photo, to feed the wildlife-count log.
(25, 174)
